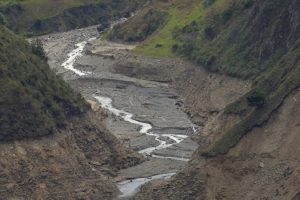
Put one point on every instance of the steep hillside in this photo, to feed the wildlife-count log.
(77, 162)
(45, 16)
(147, 23)
(52, 145)
(34, 101)
(248, 39)
(264, 165)
(176, 14)
(266, 48)
(241, 38)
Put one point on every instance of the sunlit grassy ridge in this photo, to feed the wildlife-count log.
(179, 16)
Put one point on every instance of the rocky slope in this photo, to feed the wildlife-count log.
(246, 149)
(78, 161)
(263, 165)
(53, 146)
(248, 137)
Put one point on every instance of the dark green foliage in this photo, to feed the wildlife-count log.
(175, 47)
(248, 3)
(249, 39)
(188, 31)
(274, 86)
(227, 14)
(38, 49)
(33, 101)
(256, 98)
(209, 33)
(245, 36)
(208, 2)
(147, 24)
(103, 26)
(87, 14)
(3, 20)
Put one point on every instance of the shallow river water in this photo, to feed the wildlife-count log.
(144, 112)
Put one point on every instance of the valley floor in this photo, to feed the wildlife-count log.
(157, 91)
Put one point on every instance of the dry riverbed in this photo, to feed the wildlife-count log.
(144, 114)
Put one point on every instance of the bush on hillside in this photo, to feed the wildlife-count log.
(38, 49)
(256, 98)
(33, 101)
(136, 31)
(3, 20)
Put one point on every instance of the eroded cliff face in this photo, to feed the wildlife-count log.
(75, 162)
(253, 152)
(264, 165)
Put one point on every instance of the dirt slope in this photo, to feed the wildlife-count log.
(74, 163)
(264, 165)
(253, 152)
(52, 145)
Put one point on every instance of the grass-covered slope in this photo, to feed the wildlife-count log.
(45, 16)
(160, 40)
(249, 39)
(241, 37)
(253, 39)
(276, 86)
(142, 26)
(33, 101)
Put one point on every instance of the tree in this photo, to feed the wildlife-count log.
(38, 49)
(256, 98)
(3, 20)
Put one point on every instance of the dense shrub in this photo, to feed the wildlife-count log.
(33, 101)
(138, 31)
(38, 49)
(3, 20)
(70, 14)
(256, 98)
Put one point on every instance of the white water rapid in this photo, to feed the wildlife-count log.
(73, 55)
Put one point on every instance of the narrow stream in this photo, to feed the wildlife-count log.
(106, 103)
(130, 187)
(73, 55)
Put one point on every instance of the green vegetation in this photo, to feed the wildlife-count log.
(33, 17)
(3, 20)
(257, 46)
(248, 39)
(256, 98)
(180, 13)
(277, 84)
(169, 16)
(227, 41)
(34, 101)
(38, 49)
(137, 31)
